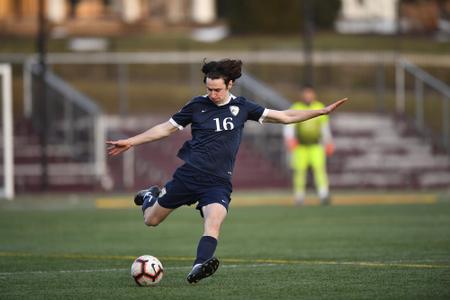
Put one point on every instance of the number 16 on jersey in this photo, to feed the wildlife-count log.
(227, 124)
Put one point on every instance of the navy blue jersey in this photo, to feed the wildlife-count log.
(216, 132)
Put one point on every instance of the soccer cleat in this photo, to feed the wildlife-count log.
(299, 198)
(326, 200)
(204, 270)
(140, 196)
(299, 201)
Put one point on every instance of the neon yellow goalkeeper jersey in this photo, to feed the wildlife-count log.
(309, 132)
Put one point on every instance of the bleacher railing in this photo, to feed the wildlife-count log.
(418, 92)
(74, 123)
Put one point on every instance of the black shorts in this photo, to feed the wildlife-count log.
(190, 185)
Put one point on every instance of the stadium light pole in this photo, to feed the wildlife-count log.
(41, 43)
(398, 29)
(308, 31)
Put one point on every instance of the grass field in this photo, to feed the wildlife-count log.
(70, 249)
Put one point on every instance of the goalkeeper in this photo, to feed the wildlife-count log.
(309, 143)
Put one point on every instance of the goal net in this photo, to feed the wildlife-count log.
(6, 146)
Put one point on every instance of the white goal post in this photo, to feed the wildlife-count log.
(7, 187)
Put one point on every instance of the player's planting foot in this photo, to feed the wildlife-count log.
(326, 200)
(141, 195)
(203, 270)
(299, 198)
(300, 201)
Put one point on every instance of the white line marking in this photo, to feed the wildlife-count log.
(247, 262)
(59, 272)
(6, 274)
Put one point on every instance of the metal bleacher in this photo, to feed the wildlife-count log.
(373, 150)
(75, 134)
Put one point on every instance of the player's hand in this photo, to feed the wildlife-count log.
(330, 108)
(117, 147)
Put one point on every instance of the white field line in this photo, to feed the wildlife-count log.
(235, 262)
(7, 274)
(230, 266)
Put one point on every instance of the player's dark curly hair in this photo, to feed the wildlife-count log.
(227, 69)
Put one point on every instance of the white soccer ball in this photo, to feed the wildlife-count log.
(147, 270)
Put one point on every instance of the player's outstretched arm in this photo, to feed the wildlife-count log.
(295, 116)
(153, 134)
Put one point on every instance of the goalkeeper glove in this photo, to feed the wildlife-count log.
(291, 144)
(329, 149)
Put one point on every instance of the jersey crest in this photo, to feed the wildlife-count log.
(234, 110)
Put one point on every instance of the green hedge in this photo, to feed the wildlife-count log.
(281, 16)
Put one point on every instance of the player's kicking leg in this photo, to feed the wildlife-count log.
(142, 195)
(153, 212)
(206, 264)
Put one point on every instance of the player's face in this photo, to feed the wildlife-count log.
(308, 95)
(218, 92)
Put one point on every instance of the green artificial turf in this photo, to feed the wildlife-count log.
(335, 252)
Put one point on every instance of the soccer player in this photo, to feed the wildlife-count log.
(217, 120)
(309, 143)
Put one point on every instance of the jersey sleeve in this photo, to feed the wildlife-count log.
(184, 117)
(255, 111)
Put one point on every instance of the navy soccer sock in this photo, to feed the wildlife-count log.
(206, 248)
(149, 201)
